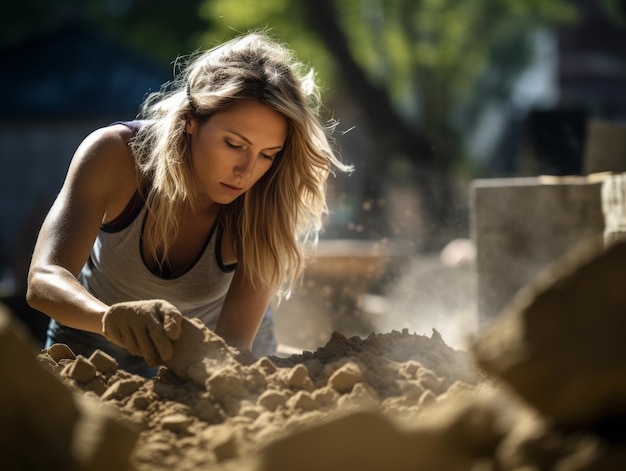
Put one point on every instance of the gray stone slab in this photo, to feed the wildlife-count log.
(521, 225)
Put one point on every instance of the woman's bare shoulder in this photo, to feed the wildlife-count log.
(107, 143)
(106, 151)
(104, 167)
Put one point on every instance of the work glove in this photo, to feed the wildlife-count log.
(144, 328)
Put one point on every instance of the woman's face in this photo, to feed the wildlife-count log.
(234, 148)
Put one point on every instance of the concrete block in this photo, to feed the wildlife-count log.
(521, 225)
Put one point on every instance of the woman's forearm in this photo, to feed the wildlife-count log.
(58, 294)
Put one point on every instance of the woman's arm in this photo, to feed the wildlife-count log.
(100, 181)
(243, 311)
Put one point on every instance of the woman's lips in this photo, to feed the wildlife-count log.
(231, 190)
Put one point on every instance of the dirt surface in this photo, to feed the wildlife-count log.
(214, 405)
(541, 388)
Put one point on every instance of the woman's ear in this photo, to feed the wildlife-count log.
(191, 123)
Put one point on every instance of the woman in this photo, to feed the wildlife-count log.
(198, 209)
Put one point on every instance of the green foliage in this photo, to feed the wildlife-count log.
(422, 48)
(616, 10)
(439, 61)
(432, 56)
(413, 48)
(283, 19)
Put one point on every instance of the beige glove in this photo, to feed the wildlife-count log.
(144, 328)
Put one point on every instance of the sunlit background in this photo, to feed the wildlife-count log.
(429, 95)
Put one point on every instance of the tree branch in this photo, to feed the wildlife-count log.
(392, 132)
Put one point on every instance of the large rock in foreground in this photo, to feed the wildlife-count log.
(46, 425)
(560, 344)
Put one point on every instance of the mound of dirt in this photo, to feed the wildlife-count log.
(213, 404)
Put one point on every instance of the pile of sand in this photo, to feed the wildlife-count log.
(544, 387)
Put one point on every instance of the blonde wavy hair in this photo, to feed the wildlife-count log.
(270, 223)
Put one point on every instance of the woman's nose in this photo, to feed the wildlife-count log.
(245, 166)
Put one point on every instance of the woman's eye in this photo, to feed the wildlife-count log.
(268, 157)
(231, 145)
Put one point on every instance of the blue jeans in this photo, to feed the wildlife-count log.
(85, 343)
(265, 343)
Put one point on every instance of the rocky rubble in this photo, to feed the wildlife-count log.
(212, 404)
(541, 388)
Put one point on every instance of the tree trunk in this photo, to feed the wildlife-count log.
(392, 137)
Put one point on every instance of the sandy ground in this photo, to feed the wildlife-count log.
(543, 387)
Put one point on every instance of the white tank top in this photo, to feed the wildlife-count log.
(116, 272)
